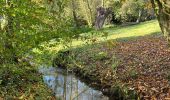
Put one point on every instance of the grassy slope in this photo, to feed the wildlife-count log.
(142, 29)
(115, 32)
(98, 61)
(143, 60)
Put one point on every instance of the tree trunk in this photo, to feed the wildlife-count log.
(103, 3)
(102, 14)
(163, 16)
(139, 16)
(90, 10)
(74, 13)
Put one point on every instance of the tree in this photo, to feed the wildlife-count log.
(29, 23)
(163, 15)
(102, 14)
(9, 29)
(87, 9)
(73, 3)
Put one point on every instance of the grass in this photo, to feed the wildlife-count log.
(113, 32)
(98, 61)
(30, 86)
(142, 29)
(49, 49)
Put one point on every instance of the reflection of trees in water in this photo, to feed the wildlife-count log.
(68, 87)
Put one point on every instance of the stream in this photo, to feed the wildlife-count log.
(66, 86)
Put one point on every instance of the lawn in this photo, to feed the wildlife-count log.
(113, 32)
(141, 29)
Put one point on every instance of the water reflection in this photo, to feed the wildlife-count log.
(68, 87)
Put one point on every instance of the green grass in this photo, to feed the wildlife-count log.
(114, 32)
(142, 29)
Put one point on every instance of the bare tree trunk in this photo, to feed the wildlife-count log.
(163, 16)
(102, 14)
(139, 16)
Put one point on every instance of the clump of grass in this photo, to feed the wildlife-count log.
(100, 56)
(168, 75)
(121, 92)
(133, 73)
(115, 63)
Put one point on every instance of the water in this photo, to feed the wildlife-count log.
(68, 87)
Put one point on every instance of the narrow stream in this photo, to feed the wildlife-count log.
(67, 87)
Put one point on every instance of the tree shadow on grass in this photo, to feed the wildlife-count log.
(122, 39)
(132, 38)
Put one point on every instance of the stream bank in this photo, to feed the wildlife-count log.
(122, 70)
(95, 67)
